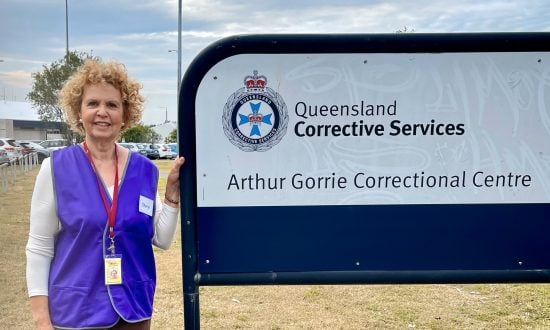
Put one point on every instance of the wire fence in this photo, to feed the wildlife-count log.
(16, 167)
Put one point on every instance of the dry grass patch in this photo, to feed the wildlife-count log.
(14, 215)
(495, 306)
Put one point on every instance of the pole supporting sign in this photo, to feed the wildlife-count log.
(402, 158)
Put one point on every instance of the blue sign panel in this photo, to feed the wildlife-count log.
(408, 158)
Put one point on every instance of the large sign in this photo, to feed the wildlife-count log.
(367, 159)
(374, 129)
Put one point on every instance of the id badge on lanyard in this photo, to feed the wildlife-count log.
(112, 261)
(113, 269)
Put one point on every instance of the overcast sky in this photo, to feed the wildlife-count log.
(141, 33)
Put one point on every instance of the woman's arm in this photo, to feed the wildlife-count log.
(172, 193)
(166, 219)
(167, 212)
(44, 225)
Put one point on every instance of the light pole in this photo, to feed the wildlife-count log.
(179, 70)
(179, 49)
(66, 28)
(179, 54)
(3, 87)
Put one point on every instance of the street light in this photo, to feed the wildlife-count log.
(67, 28)
(179, 69)
(179, 79)
(179, 55)
(179, 46)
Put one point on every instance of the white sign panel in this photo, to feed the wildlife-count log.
(365, 129)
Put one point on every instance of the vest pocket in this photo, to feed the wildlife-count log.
(69, 305)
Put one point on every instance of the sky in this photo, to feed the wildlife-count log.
(143, 34)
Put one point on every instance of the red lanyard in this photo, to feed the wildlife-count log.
(111, 211)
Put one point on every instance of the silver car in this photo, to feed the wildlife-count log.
(35, 147)
(54, 144)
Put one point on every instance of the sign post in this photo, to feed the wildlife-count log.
(403, 158)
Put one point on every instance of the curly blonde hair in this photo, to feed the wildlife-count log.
(94, 72)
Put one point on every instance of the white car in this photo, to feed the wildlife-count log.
(165, 151)
(12, 149)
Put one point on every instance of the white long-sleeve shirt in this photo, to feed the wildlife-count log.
(44, 226)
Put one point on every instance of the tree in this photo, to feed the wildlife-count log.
(172, 137)
(47, 84)
(154, 137)
(141, 134)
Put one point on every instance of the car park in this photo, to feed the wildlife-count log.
(173, 147)
(133, 147)
(172, 153)
(25, 149)
(10, 147)
(4, 159)
(152, 152)
(164, 151)
(30, 147)
(54, 144)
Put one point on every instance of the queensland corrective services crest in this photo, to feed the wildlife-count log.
(255, 117)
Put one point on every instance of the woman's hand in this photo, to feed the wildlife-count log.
(172, 195)
(41, 313)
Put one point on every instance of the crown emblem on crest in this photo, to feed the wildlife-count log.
(255, 117)
(255, 83)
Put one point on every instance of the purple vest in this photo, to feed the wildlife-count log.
(78, 296)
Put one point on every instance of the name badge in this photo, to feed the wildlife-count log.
(146, 205)
(113, 269)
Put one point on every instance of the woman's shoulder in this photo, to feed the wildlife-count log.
(139, 158)
(67, 150)
(46, 164)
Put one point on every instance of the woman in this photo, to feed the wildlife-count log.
(95, 212)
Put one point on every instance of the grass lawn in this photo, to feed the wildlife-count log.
(474, 306)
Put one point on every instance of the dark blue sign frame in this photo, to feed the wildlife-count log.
(481, 243)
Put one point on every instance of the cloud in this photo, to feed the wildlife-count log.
(17, 79)
(140, 33)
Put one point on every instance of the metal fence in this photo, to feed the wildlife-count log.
(15, 168)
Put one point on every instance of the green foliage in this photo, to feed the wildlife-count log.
(154, 136)
(47, 84)
(140, 134)
(172, 137)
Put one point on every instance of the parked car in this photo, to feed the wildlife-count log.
(25, 149)
(10, 147)
(173, 147)
(4, 159)
(30, 146)
(173, 153)
(133, 147)
(164, 151)
(152, 152)
(54, 144)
